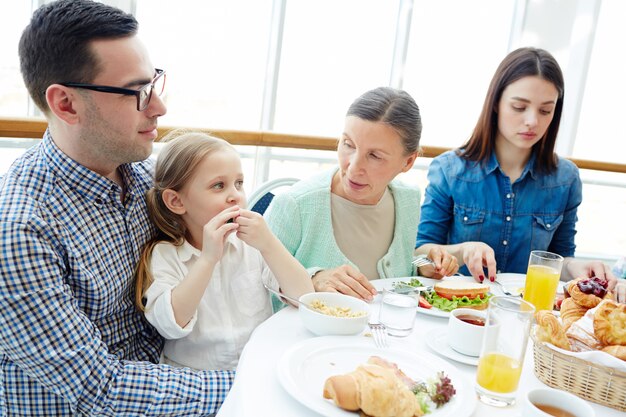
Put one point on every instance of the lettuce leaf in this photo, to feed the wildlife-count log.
(444, 304)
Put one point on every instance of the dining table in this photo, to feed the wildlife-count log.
(258, 389)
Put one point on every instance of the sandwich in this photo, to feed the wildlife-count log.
(451, 294)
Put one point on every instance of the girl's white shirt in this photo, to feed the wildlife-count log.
(232, 306)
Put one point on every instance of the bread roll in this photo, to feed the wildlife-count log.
(450, 288)
(609, 323)
(375, 390)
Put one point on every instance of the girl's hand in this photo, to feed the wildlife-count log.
(216, 231)
(253, 230)
(445, 264)
(477, 255)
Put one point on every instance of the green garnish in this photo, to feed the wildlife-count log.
(414, 282)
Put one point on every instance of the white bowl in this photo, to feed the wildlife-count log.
(324, 324)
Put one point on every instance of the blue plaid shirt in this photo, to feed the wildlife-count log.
(71, 340)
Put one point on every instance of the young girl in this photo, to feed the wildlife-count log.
(200, 281)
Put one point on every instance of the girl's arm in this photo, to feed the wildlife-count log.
(186, 296)
(291, 275)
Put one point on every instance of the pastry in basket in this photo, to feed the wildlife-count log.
(588, 292)
(375, 389)
(616, 350)
(609, 323)
(581, 334)
(570, 312)
(550, 330)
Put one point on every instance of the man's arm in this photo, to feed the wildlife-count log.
(53, 343)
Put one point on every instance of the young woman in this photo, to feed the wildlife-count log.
(355, 222)
(200, 281)
(505, 192)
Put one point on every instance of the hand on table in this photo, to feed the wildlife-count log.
(345, 280)
(476, 256)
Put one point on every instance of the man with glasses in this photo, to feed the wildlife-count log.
(73, 221)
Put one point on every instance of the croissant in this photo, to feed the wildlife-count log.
(375, 390)
(609, 323)
(550, 330)
(616, 350)
(570, 312)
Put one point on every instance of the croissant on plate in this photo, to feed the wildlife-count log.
(374, 389)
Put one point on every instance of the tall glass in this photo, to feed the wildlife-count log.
(542, 279)
(502, 353)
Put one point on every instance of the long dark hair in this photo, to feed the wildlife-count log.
(520, 63)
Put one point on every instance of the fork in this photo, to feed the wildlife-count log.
(422, 261)
(379, 333)
(504, 290)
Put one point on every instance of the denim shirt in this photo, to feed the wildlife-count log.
(467, 201)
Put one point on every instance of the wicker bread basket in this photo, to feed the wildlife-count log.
(588, 380)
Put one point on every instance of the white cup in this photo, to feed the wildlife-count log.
(463, 336)
(554, 398)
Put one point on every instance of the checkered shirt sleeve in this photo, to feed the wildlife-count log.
(71, 341)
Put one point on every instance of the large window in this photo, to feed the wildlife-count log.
(294, 66)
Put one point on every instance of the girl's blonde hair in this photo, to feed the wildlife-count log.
(176, 164)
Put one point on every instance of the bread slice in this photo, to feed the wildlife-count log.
(457, 288)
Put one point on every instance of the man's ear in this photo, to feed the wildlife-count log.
(63, 103)
(173, 202)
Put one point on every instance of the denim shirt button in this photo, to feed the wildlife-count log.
(508, 218)
(465, 218)
(508, 196)
(548, 225)
(504, 242)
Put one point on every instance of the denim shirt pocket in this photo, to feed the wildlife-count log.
(543, 229)
(248, 292)
(468, 224)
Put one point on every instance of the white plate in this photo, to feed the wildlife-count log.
(387, 283)
(303, 369)
(515, 283)
(437, 340)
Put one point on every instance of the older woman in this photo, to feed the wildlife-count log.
(355, 223)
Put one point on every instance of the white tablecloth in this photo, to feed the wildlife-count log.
(258, 392)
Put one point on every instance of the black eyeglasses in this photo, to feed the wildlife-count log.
(144, 94)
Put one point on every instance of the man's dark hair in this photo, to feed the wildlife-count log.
(55, 46)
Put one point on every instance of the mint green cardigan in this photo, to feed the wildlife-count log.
(301, 219)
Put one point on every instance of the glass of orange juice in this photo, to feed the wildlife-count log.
(542, 279)
(503, 349)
